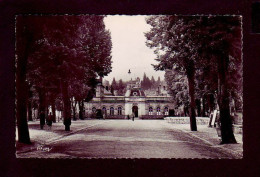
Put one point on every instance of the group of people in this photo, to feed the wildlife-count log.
(48, 120)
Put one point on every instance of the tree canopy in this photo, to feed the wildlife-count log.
(207, 49)
(63, 54)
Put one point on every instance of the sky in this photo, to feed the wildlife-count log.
(128, 48)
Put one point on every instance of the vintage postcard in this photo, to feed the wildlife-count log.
(129, 86)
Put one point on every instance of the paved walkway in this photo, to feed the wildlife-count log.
(126, 139)
(210, 137)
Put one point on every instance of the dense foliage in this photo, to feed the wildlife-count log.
(60, 56)
(207, 50)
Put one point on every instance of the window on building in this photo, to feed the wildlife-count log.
(119, 110)
(111, 111)
(166, 111)
(104, 110)
(158, 111)
(94, 110)
(150, 111)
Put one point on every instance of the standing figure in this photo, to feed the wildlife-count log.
(104, 115)
(49, 121)
(133, 117)
(42, 119)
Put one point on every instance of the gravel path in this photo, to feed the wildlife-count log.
(126, 139)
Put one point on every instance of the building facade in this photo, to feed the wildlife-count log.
(134, 103)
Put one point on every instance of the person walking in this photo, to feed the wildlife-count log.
(133, 117)
(49, 121)
(42, 119)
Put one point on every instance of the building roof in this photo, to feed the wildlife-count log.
(135, 92)
(107, 92)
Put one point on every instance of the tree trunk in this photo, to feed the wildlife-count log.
(190, 75)
(21, 111)
(24, 41)
(42, 106)
(203, 107)
(81, 104)
(29, 107)
(74, 109)
(227, 135)
(66, 106)
(29, 103)
(198, 107)
(211, 102)
(53, 110)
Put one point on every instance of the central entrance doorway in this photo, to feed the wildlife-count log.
(135, 110)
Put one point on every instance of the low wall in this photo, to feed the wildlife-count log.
(140, 117)
(151, 117)
(238, 118)
(186, 120)
(238, 129)
(115, 117)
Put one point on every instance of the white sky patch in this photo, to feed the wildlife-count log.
(129, 50)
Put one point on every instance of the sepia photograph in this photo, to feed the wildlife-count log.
(129, 86)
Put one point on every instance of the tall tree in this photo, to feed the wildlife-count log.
(27, 32)
(78, 48)
(152, 82)
(114, 84)
(143, 82)
(177, 84)
(223, 36)
(24, 41)
(121, 87)
(175, 48)
(158, 82)
(146, 83)
(191, 43)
